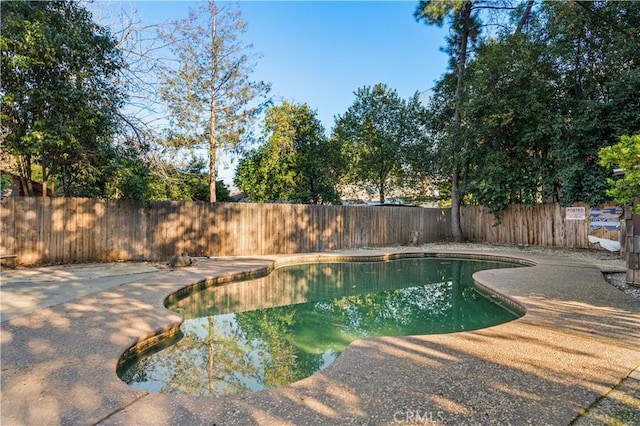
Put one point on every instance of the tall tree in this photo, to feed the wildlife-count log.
(511, 102)
(210, 96)
(525, 16)
(296, 162)
(372, 133)
(59, 100)
(598, 90)
(539, 102)
(465, 29)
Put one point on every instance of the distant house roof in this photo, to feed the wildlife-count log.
(18, 184)
(240, 197)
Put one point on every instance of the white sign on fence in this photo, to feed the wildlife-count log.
(575, 213)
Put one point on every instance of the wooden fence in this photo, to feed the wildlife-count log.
(70, 230)
(535, 225)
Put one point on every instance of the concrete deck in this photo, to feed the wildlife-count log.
(579, 338)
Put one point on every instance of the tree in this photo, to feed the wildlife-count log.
(185, 182)
(464, 26)
(538, 102)
(296, 162)
(419, 154)
(372, 132)
(597, 91)
(120, 171)
(211, 99)
(624, 155)
(59, 100)
(511, 102)
(439, 110)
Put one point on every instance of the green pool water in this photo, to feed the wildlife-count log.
(267, 332)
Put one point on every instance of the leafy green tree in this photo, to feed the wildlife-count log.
(624, 155)
(374, 132)
(538, 102)
(122, 172)
(295, 163)
(187, 183)
(511, 103)
(419, 151)
(222, 192)
(439, 111)
(598, 90)
(60, 94)
(210, 96)
(260, 182)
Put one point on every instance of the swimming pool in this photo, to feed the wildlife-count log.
(275, 330)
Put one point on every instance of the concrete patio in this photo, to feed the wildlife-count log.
(62, 338)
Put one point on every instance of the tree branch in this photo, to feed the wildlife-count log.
(608, 21)
(525, 16)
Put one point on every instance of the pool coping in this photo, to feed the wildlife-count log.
(574, 344)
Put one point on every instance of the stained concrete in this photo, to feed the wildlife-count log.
(577, 341)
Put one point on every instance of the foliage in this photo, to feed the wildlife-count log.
(5, 180)
(539, 102)
(418, 151)
(59, 100)
(626, 156)
(222, 192)
(210, 97)
(295, 163)
(187, 183)
(598, 91)
(125, 175)
(377, 129)
(522, 115)
(510, 105)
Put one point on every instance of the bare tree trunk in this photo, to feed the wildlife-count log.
(44, 180)
(212, 111)
(25, 176)
(456, 202)
(212, 170)
(525, 16)
(456, 199)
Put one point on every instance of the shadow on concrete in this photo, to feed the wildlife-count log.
(58, 364)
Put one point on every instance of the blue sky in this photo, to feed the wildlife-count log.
(320, 52)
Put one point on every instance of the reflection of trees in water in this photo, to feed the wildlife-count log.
(311, 282)
(389, 312)
(282, 361)
(295, 321)
(207, 361)
(137, 372)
